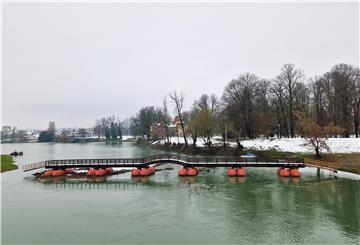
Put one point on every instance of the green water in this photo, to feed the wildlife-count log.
(210, 208)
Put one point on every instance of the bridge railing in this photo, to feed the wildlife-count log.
(145, 160)
(243, 160)
(35, 165)
(98, 162)
(166, 157)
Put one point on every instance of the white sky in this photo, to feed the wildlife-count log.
(75, 62)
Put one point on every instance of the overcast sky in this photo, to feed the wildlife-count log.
(75, 62)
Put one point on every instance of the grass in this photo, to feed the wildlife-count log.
(7, 163)
(348, 162)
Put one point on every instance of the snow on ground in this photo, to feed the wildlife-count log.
(126, 137)
(337, 145)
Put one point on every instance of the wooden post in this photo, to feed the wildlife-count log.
(318, 172)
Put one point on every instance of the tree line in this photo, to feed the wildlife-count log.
(110, 127)
(251, 106)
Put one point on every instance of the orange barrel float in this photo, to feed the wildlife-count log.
(241, 172)
(90, 172)
(284, 172)
(192, 172)
(232, 172)
(100, 172)
(182, 172)
(69, 171)
(48, 173)
(135, 172)
(294, 173)
(59, 172)
(109, 170)
(145, 172)
(152, 170)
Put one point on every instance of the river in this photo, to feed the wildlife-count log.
(210, 208)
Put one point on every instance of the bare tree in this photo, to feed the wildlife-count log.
(166, 119)
(356, 107)
(223, 123)
(192, 125)
(281, 107)
(290, 80)
(319, 100)
(343, 81)
(263, 118)
(316, 135)
(178, 101)
(239, 95)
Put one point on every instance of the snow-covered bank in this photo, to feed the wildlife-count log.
(337, 145)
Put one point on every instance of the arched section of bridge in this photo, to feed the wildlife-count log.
(174, 161)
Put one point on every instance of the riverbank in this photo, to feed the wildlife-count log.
(347, 162)
(7, 163)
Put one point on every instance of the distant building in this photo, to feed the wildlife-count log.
(32, 136)
(176, 123)
(76, 135)
(12, 135)
(6, 130)
(6, 134)
(158, 131)
(51, 127)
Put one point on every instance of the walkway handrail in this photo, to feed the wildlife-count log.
(170, 157)
(175, 158)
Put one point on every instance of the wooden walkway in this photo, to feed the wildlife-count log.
(167, 158)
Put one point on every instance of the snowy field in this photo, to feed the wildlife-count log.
(337, 145)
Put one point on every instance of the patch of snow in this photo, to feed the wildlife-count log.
(337, 145)
(126, 137)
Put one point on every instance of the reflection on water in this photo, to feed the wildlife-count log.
(163, 208)
(187, 180)
(97, 179)
(234, 180)
(295, 202)
(141, 179)
(98, 182)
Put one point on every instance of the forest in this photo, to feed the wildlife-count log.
(250, 106)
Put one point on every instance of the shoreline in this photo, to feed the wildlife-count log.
(345, 162)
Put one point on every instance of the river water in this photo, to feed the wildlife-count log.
(210, 208)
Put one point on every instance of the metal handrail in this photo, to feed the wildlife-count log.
(167, 157)
(161, 157)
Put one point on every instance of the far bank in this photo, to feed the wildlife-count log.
(342, 161)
